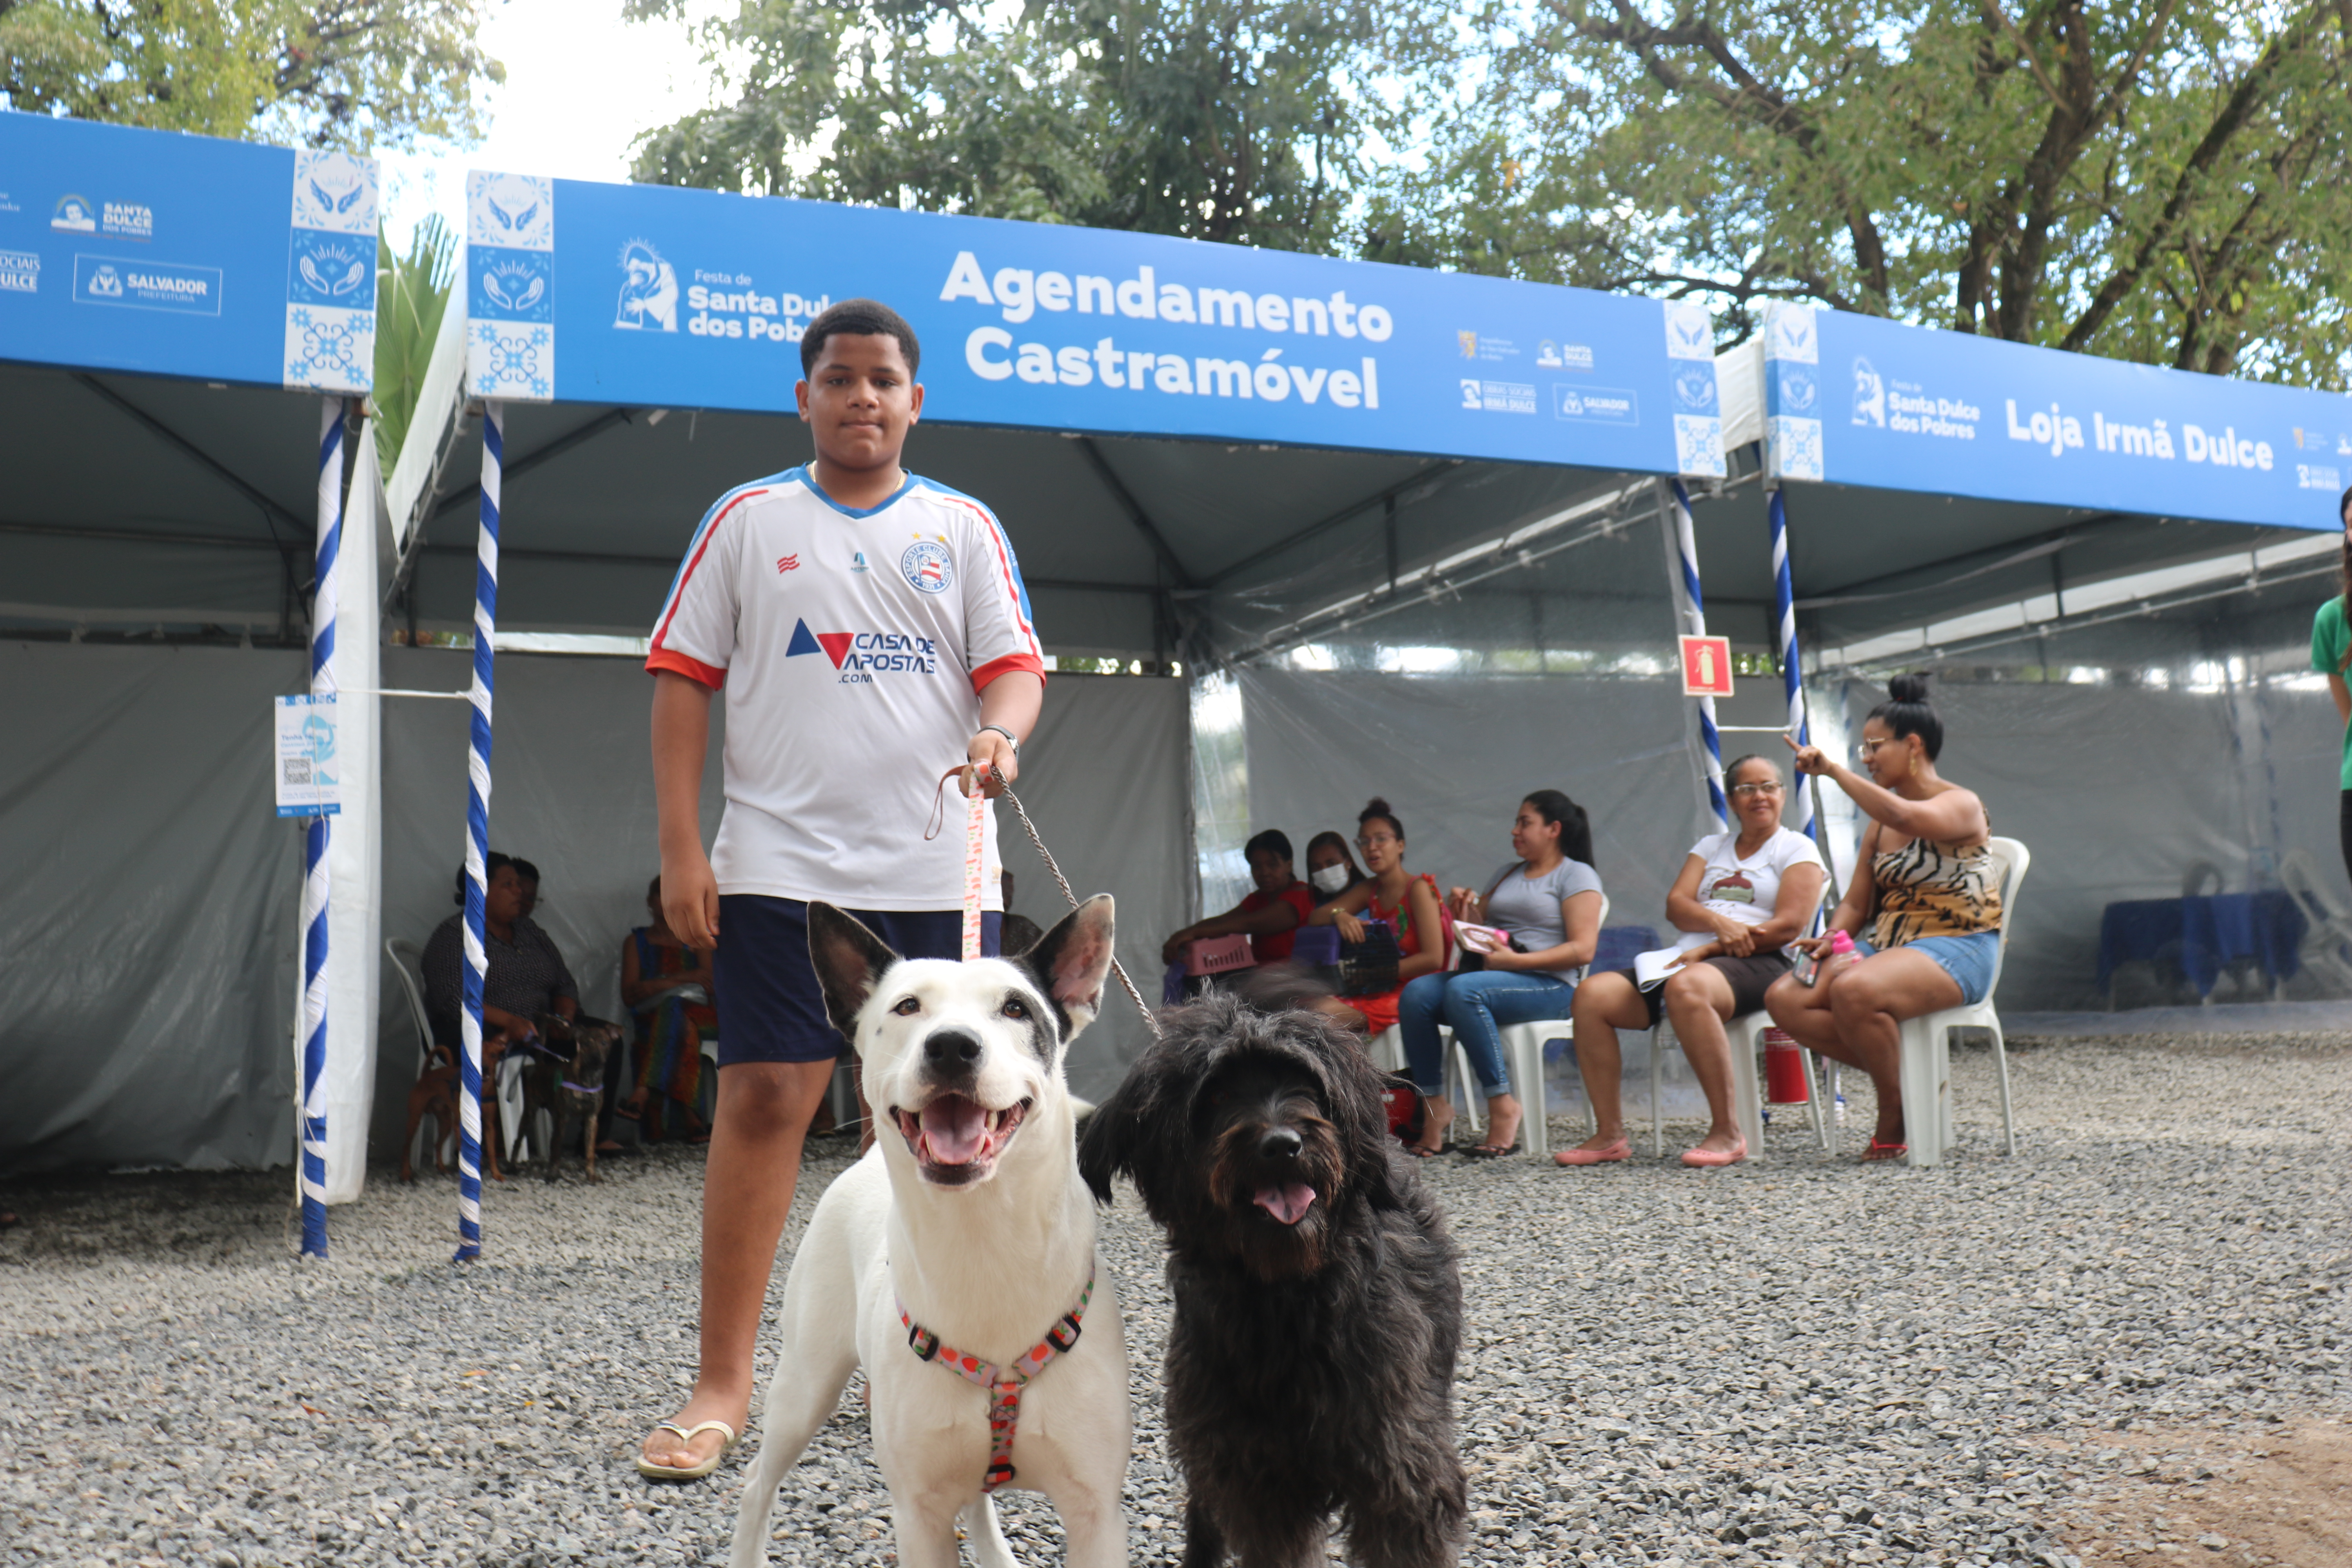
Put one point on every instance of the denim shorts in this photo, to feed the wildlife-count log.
(1968, 959)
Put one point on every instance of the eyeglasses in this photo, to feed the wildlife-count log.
(1772, 788)
(1372, 841)
(1870, 748)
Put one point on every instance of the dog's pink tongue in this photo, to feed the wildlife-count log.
(955, 1128)
(1288, 1204)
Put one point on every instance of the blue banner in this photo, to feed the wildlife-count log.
(651, 296)
(185, 255)
(1858, 400)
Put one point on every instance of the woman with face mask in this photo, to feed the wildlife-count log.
(1926, 888)
(1268, 916)
(1331, 870)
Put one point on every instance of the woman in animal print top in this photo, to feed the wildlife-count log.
(1926, 888)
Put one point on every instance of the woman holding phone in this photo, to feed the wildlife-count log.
(1928, 892)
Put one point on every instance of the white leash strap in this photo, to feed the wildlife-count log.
(975, 835)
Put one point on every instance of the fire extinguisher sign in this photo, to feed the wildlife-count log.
(1707, 666)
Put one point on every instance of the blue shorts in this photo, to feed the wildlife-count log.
(1968, 959)
(771, 1008)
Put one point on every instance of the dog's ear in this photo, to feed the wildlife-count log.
(1071, 962)
(1132, 1132)
(848, 959)
(1108, 1140)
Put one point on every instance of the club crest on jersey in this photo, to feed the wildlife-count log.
(861, 656)
(928, 566)
(788, 563)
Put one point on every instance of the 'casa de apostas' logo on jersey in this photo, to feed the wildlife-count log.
(862, 656)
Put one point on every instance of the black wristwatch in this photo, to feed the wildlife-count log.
(1008, 734)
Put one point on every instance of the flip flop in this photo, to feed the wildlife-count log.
(1608, 1155)
(1418, 1152)
(1879, 1153)
(652, 1471)
(1489, 1152)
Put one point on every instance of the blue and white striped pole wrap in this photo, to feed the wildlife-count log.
(316, 886)
(1695, 618)
(478, 838)
(1792, 677)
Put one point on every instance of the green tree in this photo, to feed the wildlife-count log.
(412, 295)
(2144, 179)
(321, 73)
(1223, 119)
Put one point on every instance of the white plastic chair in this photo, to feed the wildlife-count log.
(1524, 1044)
(1523, 1047)
(1927, 1062)
(2328, 923)
(408, 963)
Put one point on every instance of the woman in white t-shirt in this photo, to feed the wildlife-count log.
(1742, 897)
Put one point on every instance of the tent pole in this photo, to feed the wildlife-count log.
(317, 884)
(478, 838)
(1812, 818)
(1675, 508)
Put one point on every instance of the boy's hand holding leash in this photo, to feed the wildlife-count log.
(991, 748)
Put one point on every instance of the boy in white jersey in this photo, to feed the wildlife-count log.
(870, 631)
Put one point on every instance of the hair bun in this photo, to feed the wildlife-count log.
(1376, 806)
(1911, 687)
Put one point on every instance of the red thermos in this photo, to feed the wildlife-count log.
(1784, 1069)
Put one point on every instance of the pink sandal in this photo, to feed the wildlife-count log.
(1608, 1154)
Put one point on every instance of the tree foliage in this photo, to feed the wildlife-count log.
(2146, 179)
(322, 73)
(1225, 119)
(412, 295)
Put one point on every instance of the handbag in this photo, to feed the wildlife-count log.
(1369, 968)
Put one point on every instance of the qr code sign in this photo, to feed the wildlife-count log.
(297, 769)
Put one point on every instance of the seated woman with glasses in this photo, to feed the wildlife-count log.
(1546, 901)
(1742, 899)
(1407, 902)
(1926, 882)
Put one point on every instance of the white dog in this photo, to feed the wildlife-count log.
(965, 1236)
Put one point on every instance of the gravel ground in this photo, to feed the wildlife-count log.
(1799, 1361)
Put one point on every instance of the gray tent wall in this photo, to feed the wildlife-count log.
(149, 996)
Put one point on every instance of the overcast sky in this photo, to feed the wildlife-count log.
(581, 83)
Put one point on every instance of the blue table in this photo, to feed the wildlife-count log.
(2206, 933)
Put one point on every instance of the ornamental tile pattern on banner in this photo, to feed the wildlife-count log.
(1792, 394)
(510, 286)
(329, 343)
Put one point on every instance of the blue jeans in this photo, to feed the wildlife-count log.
(1475, 1007)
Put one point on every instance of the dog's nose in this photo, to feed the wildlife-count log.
(952, 1048)
(1282, 1144)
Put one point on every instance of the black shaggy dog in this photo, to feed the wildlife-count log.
(1318, 1297)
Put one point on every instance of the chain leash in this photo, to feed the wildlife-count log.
(1064, 882)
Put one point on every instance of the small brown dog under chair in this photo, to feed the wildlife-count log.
(578, 1093)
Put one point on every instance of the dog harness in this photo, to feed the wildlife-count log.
(1004, 1385)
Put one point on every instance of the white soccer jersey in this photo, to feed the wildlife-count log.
(852, 647)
